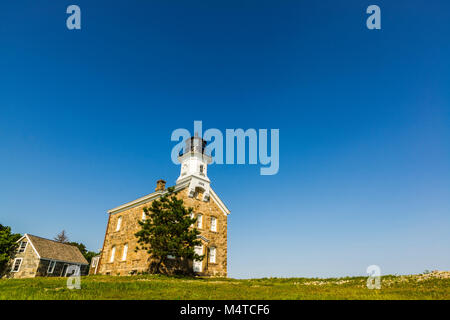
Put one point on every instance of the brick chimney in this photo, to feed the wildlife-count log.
(160, 185)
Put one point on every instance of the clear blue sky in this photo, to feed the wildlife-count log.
(364, 118)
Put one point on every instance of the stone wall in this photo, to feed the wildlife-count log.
(58, 270)
(140, 261)
(29, 264)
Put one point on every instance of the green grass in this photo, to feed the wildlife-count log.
(162, 287)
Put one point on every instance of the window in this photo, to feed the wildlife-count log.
(192, 217)
(201, 170)
(212, 255)
(22, 246)
(51, 266)
(144, 216)
(199, 221)
(124, 253)
(113, 253)
(16, 264)
(213, 224)
(119, 223)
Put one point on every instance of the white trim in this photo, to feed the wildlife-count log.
(125, 252)
(155, 195)
(145, 199)
(14, 264)
(119, 223)
(198, 263)
(65, 261)
(98, 262)
(213, 229)
(219, 202)
(203, 238)
(214, 249)
(52, 267)
(112, 254)
(199, 221)
(29, 240)
(62, 270)
(20, 246)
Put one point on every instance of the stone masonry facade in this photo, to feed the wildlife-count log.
(29, 266)
(136, 262)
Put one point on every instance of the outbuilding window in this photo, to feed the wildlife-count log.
(51, 266)
(16, 265)
(22, 246)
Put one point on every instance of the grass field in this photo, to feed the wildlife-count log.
(161, 287)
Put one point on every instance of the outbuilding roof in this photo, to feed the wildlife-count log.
(53, 250)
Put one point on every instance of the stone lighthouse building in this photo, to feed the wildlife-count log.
(118, 255)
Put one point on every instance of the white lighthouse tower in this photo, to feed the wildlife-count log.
(194, 167)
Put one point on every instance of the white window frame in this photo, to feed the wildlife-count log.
(119, 223)
(20, 246)
(113, 253)
(14, 265)
(125, 252)
(200, 221)
(211, 256)
(51, 266)
(214, 226)
(192, 215)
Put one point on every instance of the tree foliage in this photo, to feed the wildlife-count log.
(88, 255)
(8, 246)
(61, 237)
(167, 231)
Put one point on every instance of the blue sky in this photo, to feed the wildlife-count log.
(364, 118)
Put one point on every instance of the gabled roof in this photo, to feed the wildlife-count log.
(53, 250)
(155, 195)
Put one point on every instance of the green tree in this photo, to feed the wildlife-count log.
(8, 246)
(167, 231)
(88, 255)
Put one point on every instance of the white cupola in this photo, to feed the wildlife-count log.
(194, 167)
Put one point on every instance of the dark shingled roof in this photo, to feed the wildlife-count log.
(49, 249)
